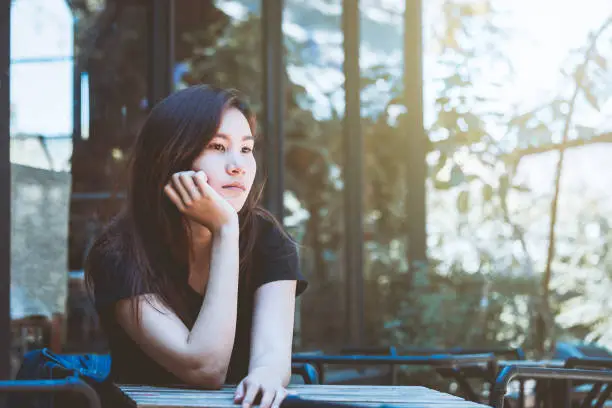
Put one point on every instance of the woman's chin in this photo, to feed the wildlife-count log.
(236, 202)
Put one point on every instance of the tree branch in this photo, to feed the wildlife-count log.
(580, 73)
(518, 154)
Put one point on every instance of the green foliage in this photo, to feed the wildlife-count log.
(494, 302)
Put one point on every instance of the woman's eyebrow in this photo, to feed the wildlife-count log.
(226, 137)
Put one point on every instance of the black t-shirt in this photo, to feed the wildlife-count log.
(275, 258)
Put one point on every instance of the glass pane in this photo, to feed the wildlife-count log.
(507, 84)
(313, 162)
(41, 89)
(220, 44)
(112, 80)
(385, 184)
(41, 75)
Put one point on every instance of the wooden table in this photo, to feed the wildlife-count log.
(407, 397)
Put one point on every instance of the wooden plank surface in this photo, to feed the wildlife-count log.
(397, 396)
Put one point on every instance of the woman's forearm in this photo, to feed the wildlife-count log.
(211, 339)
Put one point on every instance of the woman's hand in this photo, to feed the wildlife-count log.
(263, 381)
(197, 200)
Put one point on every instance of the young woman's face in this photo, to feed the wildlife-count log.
(228, 159)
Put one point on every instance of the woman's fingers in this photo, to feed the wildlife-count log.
(267, 398)
(239, 395)
(201, 182)
(250, 394)
(174, 197)
(180, 189)
(201, 175)
(188, 183)
(206, 190)
(279, 397)
(183, 183)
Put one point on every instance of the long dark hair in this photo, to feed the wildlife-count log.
(148, 240)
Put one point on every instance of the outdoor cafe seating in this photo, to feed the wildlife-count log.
(574, 382)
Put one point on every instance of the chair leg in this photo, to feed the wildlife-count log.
(590, 397)
(57, 331)
(521, 394)
(605, 394)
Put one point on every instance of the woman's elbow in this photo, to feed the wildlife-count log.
(209, 382)
(207, 377)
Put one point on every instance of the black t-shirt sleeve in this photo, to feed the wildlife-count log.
(276, 258)
(111, 280)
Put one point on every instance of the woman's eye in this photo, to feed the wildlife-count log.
(216, 146)
(247, 149)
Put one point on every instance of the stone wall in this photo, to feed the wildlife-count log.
(39, 241)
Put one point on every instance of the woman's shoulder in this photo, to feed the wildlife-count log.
(107, 251)
(110, 268)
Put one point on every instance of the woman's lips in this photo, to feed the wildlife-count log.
(237, 188)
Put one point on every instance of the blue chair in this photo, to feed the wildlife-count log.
(559, 394)
(44, 378)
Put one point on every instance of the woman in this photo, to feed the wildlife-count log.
(193, 282)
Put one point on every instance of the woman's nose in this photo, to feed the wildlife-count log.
(235, 165)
